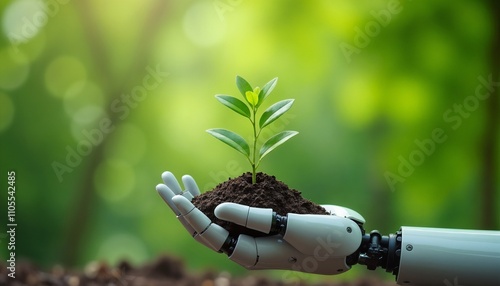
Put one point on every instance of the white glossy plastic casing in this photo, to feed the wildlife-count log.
(451, 257)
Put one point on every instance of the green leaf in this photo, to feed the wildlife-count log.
(275, 141)
(266, 90)
(232, 139)
(234, 104)
(243, 85)
(274, 112)
(253, 96)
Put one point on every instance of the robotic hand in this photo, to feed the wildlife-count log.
(331, 244)
(288, 246)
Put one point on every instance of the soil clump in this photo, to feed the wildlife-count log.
(267, 192)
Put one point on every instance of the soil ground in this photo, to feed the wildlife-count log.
(165, 270)
(268, 192)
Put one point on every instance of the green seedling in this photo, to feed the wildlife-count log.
(254, 99)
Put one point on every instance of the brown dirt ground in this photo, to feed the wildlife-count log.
(165, 270)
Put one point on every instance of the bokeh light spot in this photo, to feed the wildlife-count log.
(81, 95)
(84, 104)
(88, 114)
(114, 180)
(64, 73)
(23, 19)
(6, 112)
(14, 69)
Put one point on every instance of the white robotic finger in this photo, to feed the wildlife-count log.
(166, 194)
(210, 232)
(190, 185)
(259, 219)
(171, 182)
(245, 251)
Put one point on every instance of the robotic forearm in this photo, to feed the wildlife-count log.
(332, 244)
(435, 256)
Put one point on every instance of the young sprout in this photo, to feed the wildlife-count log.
(254, 98)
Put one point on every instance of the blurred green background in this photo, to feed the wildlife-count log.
(98, 98)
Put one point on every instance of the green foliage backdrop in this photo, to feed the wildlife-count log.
(396, 105)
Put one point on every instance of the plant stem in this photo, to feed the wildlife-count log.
(254, 162)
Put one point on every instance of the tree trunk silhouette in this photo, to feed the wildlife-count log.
(490, 142)
(85, 197)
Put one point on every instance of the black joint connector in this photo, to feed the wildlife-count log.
(229, 245)
(380, 251)
(278, 224)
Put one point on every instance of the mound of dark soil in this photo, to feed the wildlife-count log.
(268, 192)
